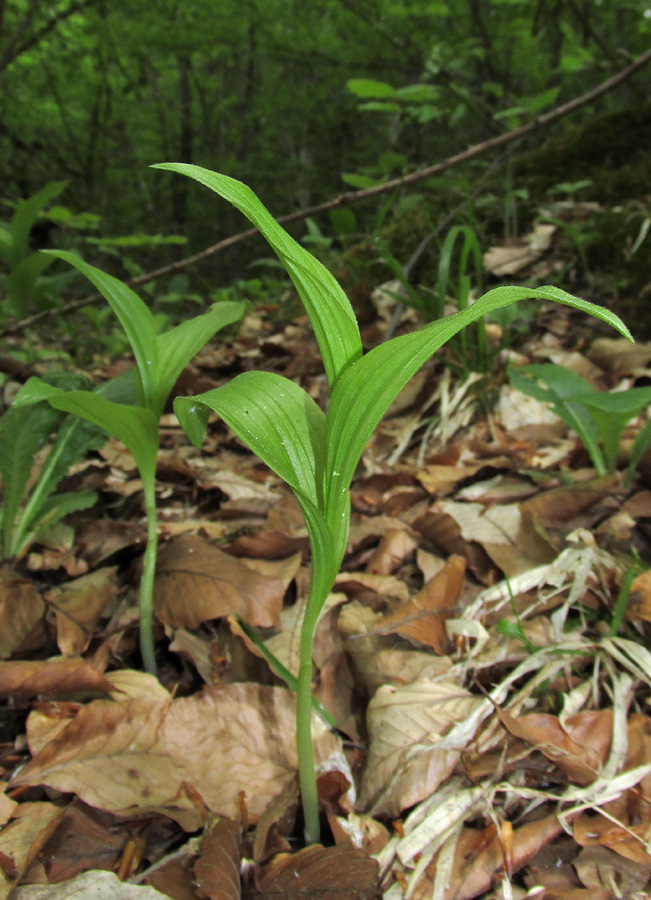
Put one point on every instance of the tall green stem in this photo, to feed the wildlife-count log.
(304, 748)
(146, 601)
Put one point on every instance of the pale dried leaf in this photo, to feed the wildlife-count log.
(143, 755)
(22, 839)
(408, 754)
(99, 885)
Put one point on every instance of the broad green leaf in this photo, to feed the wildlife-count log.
(136, 320)
(6, 245)
(26, 213)
(367, 87)
(274, 417)
(612, 412)
(329, 309)
(177, 346)
(366, 389)
(23, 432)
(136, 427)
(563, 383)
(640, 444)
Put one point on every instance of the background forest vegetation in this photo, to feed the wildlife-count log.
(300, 100)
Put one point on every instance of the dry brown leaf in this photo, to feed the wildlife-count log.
(579, 747)
(601, 869)
(175, 756)
(395, 546)
(78, 606)
(217, 870)
(423, 617)
(57, 678)
(7, 805)
(374, 662)
(21, 610)
(330, 873)
(558, 506)
(22, 840)
(520, 253)
(639, 602)
(196, 582)
(483, 857)
(84, 839)
(98, 885)
(506, 534)
(619, 356)
(407, 757)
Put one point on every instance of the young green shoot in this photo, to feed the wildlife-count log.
(316, 452)
(160, 359)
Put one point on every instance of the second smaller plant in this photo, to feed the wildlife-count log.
(598, 417)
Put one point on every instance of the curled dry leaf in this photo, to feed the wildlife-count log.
(21, 609)
(56, 678)
(196, 582)
(408, 755)
(180, 757)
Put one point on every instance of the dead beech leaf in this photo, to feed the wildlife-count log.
(423, 617)
(483, 856)
(177, 756)
(83, 839)
(78, 606)
(22, 839)
(56, 678)
(560, 505)
(329, 873)
(579, 747)
(395, 546)
(407, 757)
(99, 885)
(639, 602)
(21, 609)
(217, 870)
(196, 582)
(506, 534)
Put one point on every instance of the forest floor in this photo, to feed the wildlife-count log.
(491, 695)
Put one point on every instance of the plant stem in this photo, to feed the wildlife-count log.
(146, 601)
(304, 748)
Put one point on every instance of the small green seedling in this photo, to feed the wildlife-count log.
(159, 361)
(317, 452)
(599, 418)
(29, 511)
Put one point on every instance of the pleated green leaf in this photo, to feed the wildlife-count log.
(367, 389)
(136, 320)
(136, 427)
(275, 418)
(178, 345)
(329, 309)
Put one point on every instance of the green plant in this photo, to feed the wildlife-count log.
(599, 418)
(30, 510)
(25, 283)
(159, 361)
(317, 452)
